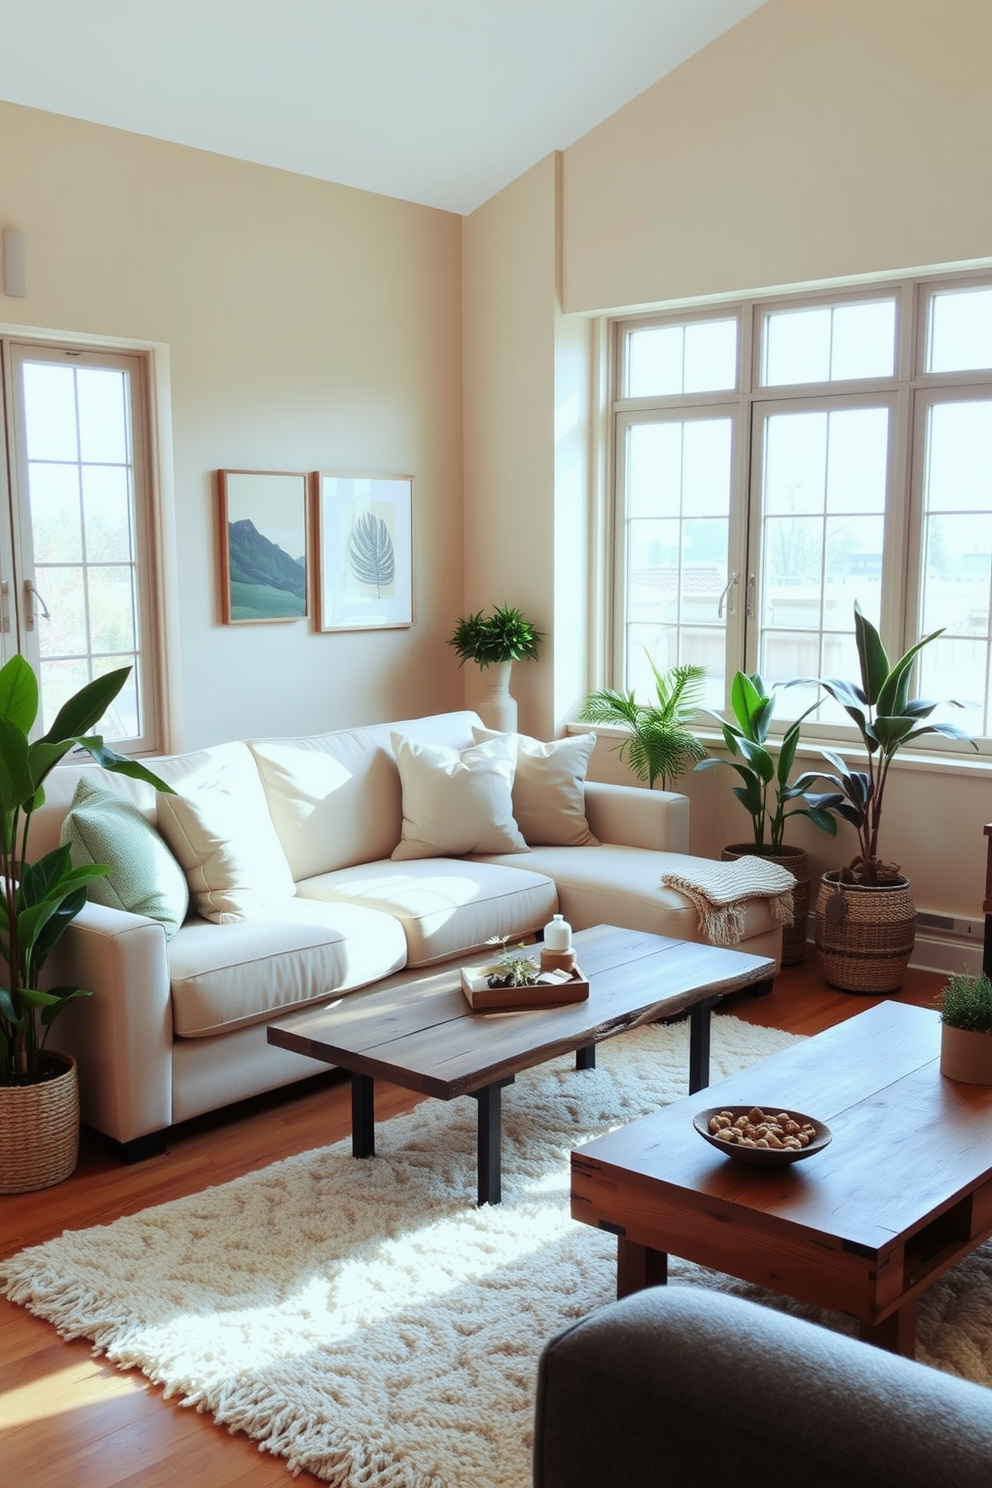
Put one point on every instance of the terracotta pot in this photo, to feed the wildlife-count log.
(965, 1055)
(796, 859)
(39, 1129)
(866, 945)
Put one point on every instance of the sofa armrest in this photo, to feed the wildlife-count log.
(680, 1384)
(632, 816)
(122, 1035)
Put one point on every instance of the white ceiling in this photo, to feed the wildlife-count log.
(441, 102)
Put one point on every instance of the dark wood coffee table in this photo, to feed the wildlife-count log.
(419, 1031)
(903, 1191)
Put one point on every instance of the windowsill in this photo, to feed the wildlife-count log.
(978, 765)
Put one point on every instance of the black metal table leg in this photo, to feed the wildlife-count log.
(586, 1058)
(490, 1133)
(362, 1115)
(699, 1043)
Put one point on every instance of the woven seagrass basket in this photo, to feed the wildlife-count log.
(868, 949)
(39, 1130)
(796, 859)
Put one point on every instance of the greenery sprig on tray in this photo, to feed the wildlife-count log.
(966, 1002)
(509, 969)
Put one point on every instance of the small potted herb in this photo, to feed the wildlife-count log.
(966, 1029)
(509, 969)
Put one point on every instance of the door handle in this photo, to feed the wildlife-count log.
(730, 608)
(32, 603)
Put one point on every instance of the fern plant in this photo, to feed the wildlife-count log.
(660, 743)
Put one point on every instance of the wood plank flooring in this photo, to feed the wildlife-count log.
(67, 1418)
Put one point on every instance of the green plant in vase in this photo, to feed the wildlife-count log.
(488, 640)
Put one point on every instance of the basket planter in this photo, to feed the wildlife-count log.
(868, 948)
(796, 859)
(39, 1129)
(965, 1055)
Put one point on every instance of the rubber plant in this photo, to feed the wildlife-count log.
(503, 635)
(39, 900)
(660, 744)
(886, 718)
(766, 793)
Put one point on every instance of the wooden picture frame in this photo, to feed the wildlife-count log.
(264, 546)
(363, 543)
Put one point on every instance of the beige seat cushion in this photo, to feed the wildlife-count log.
(615, 885)
(286, 956)
(549, 788)
(456, 801)
(446, 907)
(219, 828)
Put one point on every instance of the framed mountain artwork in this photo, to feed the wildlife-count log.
(364, 551)
(263, 546)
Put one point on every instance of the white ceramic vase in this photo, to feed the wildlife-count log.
(498, 710)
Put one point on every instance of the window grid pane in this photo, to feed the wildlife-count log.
(81, 503)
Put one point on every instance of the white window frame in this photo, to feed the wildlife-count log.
(155, 567)
(908, 392)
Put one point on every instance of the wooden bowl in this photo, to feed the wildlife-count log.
(762, 1157)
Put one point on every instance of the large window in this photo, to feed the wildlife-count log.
(778, 459)
(77, 569)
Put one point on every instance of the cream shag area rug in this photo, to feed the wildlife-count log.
(365, 1320)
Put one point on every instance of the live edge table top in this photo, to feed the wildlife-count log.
(420, 1032)
(902, 1192)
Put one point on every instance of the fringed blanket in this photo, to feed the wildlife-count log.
(720, 893)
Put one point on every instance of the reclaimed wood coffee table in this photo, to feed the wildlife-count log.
(419, 1032)
(903, 1191)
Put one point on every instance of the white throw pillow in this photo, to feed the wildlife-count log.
(221, 832)
(456, 801)
(549, 788)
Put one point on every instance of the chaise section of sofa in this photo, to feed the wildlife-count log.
(312, 906)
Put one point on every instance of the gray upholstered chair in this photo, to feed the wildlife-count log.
(683, 1386)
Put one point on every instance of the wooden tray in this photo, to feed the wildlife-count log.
(486, 999)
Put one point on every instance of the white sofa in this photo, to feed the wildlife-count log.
(176, 1028)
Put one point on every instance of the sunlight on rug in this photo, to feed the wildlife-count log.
(364, 1320)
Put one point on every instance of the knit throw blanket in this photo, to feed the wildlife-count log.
(720, 893)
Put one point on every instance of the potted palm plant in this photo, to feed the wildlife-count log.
(496, 640)
(966, 1029)
(660, 744)
(768, 797)
(39, 1101)
(865, 916)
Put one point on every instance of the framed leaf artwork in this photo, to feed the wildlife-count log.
(263, 545)
(364, 548)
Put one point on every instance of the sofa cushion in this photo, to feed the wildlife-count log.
(549, 788)
(287, 955)
(335, 798)
(446, 907)
(102, 826)
(219, 827)
(616, 885)
(456, 801)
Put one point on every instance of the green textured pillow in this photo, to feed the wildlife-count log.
(102, 826)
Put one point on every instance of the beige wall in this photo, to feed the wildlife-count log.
(810, 142)
(509, 316)
(309, 326)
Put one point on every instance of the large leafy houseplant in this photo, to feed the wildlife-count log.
(39, 900)
(766, 793)
(660, 744)
(488, 640)
(886, 718)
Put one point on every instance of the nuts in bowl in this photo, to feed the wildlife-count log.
(764, 1136)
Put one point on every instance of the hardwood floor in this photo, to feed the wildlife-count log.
(69, 1418)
